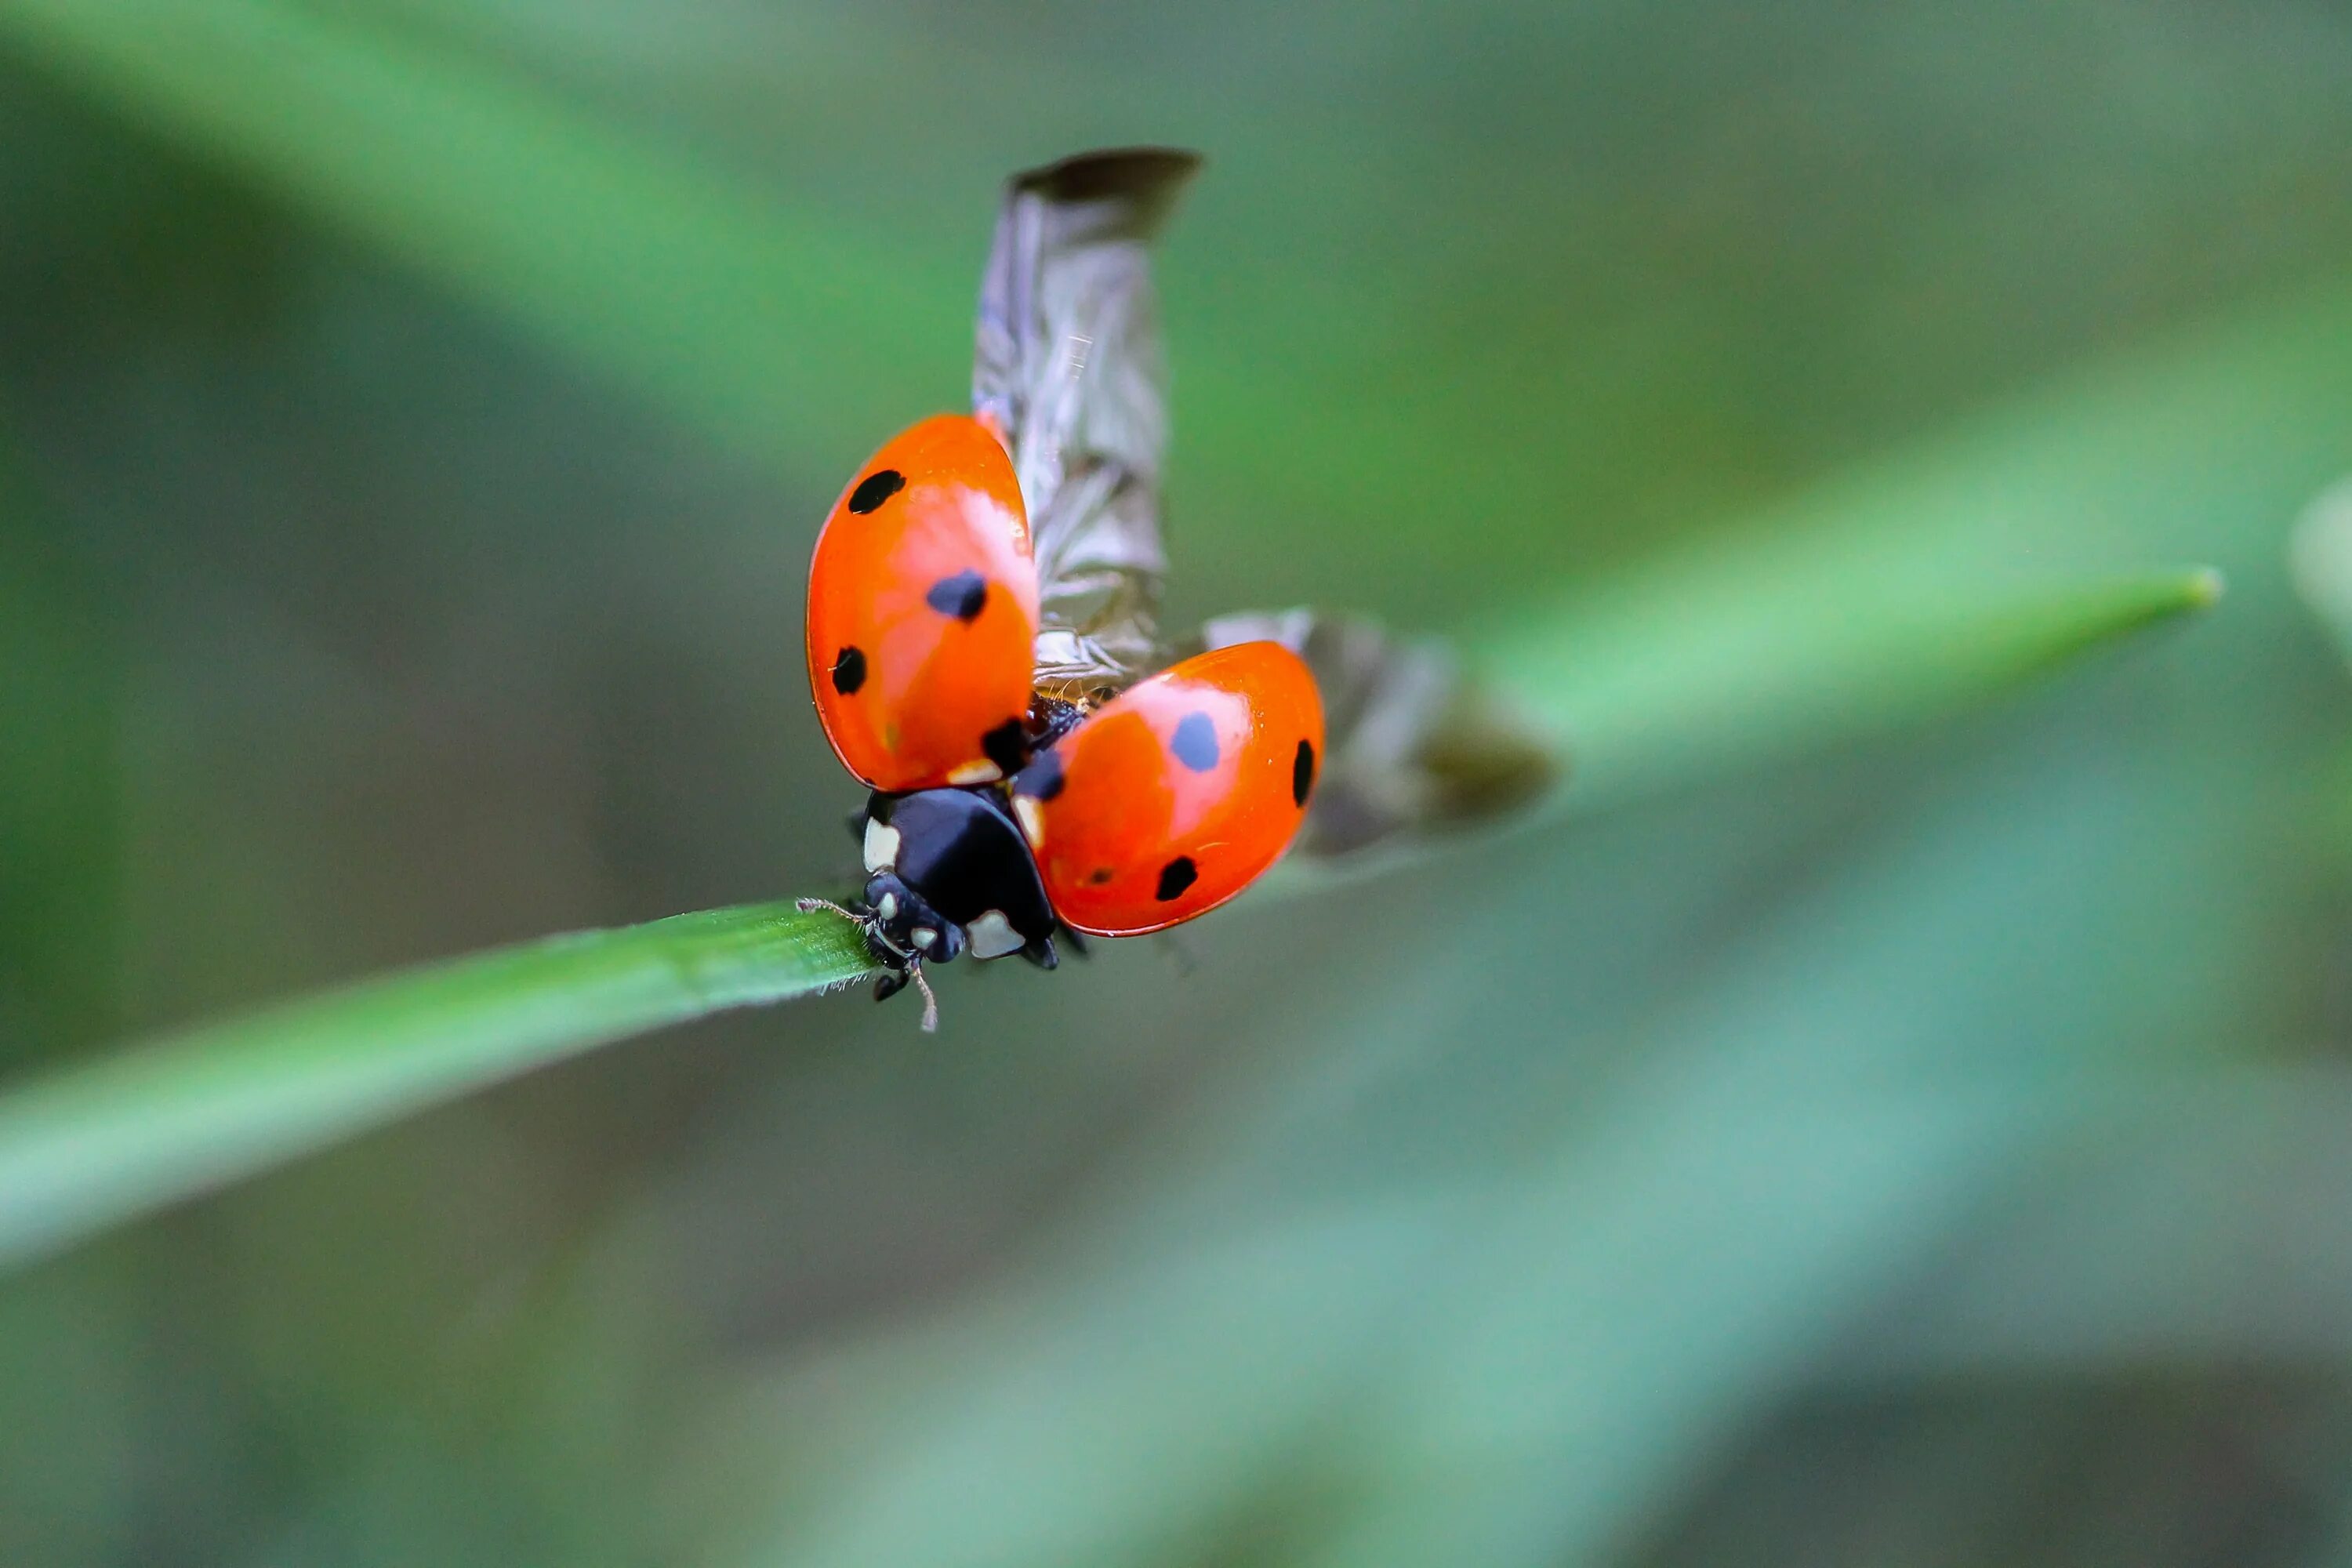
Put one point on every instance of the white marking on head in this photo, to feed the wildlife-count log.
(881, 847)
(923, 938)
(888, 907)
(992, 936)
(975, 773)
(1031, 812)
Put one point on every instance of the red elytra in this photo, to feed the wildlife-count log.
(1178, 793)
(922, 612)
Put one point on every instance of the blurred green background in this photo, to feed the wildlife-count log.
(1920, 1147)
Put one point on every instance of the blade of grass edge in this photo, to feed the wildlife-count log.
(94, 1145)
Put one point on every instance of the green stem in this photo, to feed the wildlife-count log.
(98, 1143)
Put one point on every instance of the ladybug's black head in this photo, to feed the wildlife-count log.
(906, 929)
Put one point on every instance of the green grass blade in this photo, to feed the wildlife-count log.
(95, 1145)
(1685, 669)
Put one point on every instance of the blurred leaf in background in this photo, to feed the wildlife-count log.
(59, 816)
(1827, 1149)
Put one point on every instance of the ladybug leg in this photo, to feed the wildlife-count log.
(1041, 952)
(930, 1002)
(1077, 942)
(893, 982)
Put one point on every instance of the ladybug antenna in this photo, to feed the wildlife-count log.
(930, 1002)
(810, 907)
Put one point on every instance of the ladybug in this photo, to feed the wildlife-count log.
(1002, 815)
(981, 624)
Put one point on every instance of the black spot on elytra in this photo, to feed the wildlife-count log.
(1196, 743)
(962, 595)
(1176, 876)
(1100, 876)
(1042, 779)
(1302, 772)
(848, 671)
(1004, 745)
(875, 489)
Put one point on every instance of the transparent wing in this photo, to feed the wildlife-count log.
(1069, 367)
(1411, 743)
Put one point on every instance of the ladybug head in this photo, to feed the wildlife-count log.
(906, 929)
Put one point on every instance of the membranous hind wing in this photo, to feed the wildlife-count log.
(1412, 743)
(1069, 369)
